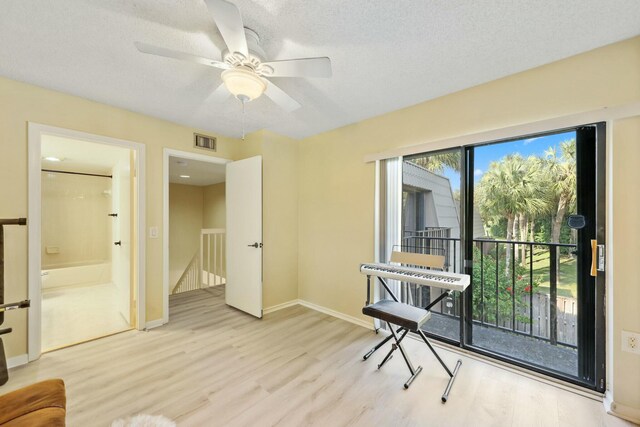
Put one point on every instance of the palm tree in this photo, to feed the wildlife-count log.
(496, 193)
(509, 189)
(562, 172)
(536, 199)
(437, 163)
(562, 190)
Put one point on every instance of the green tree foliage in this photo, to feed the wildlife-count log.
(437, 163)
(561, 186)
(509, 291)
(528, 199)
(511, 189)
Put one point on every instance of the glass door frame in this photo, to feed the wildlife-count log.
(598, 342)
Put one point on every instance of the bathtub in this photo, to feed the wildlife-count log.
(90, 274)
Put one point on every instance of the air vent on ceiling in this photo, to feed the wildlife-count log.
(204, 141)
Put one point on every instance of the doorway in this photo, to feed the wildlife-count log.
(213, 228)
(84, 251)
(197, 225)
(192, 181)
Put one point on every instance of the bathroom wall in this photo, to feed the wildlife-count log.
(75, 227)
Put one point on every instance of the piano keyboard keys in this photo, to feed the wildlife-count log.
(445, 280)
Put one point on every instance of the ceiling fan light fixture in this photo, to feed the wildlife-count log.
(243, 84)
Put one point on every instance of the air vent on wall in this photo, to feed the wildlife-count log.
(204, 141)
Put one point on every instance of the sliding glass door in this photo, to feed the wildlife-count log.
(520, 217)
(535, 297)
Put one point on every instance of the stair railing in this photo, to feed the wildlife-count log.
(190, 279)
(213, 256)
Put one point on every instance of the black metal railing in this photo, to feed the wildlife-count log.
(504, 285)
(434, 241)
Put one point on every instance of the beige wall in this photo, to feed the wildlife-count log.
(74, 220)
(186, 209)
(22, 103)
(280, 214)
(336, 188)
(624, 255)
(215, 207)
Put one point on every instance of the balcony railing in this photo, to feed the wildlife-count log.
(434, 241)
(504, 286)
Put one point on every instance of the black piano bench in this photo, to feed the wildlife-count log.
(409, 319)
(400, 314)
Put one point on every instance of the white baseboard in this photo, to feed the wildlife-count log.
(621, 411)
(280, 306)
(330, 312)
(22, 359)
(154, 324)
(607, 401)
(321, 309)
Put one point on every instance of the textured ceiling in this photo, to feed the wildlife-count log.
(385, 54)
(199, 173)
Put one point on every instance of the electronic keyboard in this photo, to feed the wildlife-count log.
(439, 279)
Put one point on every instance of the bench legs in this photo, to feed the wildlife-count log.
(452, 375)
(414, 372)
(374, 349)
(395, 346)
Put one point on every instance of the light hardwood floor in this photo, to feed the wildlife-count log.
(213, 365)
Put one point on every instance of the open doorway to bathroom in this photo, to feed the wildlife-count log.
(86, 220)
(86, 248)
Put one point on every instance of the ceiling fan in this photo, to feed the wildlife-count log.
(246, 72)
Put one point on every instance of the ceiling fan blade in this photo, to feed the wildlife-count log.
(168, 53)
(221, 94)
(229, 21)
(278, 96)
(304, 67)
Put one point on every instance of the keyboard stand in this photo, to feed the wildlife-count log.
(409, 319)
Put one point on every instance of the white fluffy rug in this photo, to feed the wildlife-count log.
(144, 420)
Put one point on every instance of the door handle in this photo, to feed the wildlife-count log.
(597, 258)
(118, 243)
(594, 255)
(256, 245)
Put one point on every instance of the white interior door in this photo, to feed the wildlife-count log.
(244, 235)
(121, 231)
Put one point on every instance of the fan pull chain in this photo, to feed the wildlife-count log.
(242, 118)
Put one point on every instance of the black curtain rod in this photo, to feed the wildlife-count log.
(78, 173)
